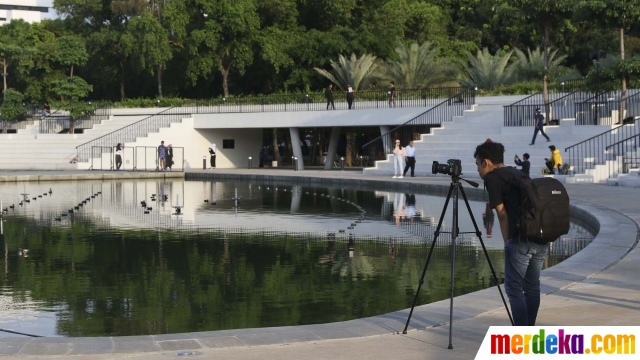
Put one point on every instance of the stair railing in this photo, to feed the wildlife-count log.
(593, 151)
(603, 108)
(57, 122)
(140, 128)
(372, 99)
(624, 154)
(561, 96)
(380, 147)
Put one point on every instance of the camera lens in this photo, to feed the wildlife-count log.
(438, 168)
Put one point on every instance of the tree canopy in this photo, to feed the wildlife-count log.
(210, 48)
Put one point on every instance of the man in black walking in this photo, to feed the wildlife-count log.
(539, 123)
(328, 93)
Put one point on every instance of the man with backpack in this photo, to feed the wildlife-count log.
(531, 214)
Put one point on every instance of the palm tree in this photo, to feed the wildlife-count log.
(417, 67)
(531, 65)
(487, 71)
(359, 72)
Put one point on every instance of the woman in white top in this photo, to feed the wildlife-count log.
(118, 156)
(398, 160)
(350, 95)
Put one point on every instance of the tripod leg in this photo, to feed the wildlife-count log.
(433, 244)
(486, 254)
(454, 236)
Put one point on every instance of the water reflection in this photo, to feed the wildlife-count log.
(284, 255)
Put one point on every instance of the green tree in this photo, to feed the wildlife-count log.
(417, 67)
(12, 46)
(71, 52)
(12, 108)
(531, 65)
(223, 38)
(549, 15)
(359, 72)
(72, 92)
(487, 71)
(41, 68)
(619, 15)
(152, 50)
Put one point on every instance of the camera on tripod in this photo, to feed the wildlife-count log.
(453, 167)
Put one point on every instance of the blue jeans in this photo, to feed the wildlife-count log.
(535, 134)
(522, 265)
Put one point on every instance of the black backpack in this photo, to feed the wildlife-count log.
(541, 207)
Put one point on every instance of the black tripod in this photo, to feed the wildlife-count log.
(453, 189)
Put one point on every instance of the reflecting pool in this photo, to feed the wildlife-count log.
(150, 257)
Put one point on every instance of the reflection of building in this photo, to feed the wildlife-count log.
(28, 10)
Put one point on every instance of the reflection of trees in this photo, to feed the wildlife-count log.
(120, 282)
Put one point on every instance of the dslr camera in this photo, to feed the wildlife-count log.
(453, 167)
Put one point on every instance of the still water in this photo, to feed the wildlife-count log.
(210, 256)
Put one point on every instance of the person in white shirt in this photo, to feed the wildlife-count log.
(350, 95)
(398, 160)
(411, 159)
(119, 156)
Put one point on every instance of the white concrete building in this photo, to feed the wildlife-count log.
(28, 10)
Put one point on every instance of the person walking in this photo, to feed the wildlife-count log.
(410, 152)
(119, 148)
(212, 156)
(350, 95)
(523, 260)
(539, 125)
(524, 163)
(398, 160)
(392, 95)
(169, 157)
(46, 109)
(328, 93)
(162, 156)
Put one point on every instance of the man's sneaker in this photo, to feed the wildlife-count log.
(394, 177)
(400, 177)
(531, 144)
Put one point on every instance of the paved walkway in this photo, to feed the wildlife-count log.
(597, 286)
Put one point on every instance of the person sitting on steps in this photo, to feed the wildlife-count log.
(555, 161)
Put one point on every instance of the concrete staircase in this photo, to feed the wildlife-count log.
(630, 179)
(146, 158)
(29, 150)
(459, 138)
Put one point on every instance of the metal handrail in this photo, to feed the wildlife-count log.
(28, 111)
(570, 85)
(594, 151)
(101, 111)
(593, 110)
(621, 141)
(621, 163)
(129, 132)
(464, 98)
(521, 113)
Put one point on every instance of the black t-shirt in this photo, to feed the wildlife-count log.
(539, 120)
(329, 93)
(496, 183)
